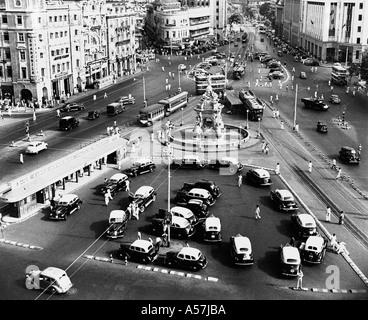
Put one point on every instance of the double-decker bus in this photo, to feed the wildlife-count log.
(217, 81)
(338, 75)
(174, 103)
(252, 104)
(151, 113)
(238, 72)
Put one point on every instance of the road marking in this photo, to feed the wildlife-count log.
(19, 244)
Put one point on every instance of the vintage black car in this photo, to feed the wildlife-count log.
(198, 207)
(65, 207)
(349, 155)
(187, 258)
(92, 115)
(304, 225)
(290, 260)
(283, 200)
(226, 165)
(259, 177)
(208, 185)
(71, 107)
(118, 221)
(143, 197)
(142, 251)
(241, 250)
(178, 211)
(140, 166)
(189, 161)
(116, 183)
(322, 126)
(183, 196)
(179, 227)
(315, 104)
(313, 250)
(211, 229)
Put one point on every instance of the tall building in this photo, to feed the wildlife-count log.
(329, 30)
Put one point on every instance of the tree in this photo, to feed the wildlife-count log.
(236, 17)
(364, 67)
(267, 8)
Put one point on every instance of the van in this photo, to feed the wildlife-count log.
(114, 108)
(68, 123)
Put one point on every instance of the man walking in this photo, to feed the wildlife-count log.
(127, 185)
(310, 166)
(258, 212)
(277, 171)
(341, 218)
(263, 146)
(299, 284)
(105, 95)
(328, 214)
(21, 158)
(338, 174)
(333, 241)
(240, 180)
(58, 112)
(333, 164)
(107, 197)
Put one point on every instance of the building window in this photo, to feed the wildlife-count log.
(76, 48)
(40, 37)
(51, 35)
(77, 62)
(66, 50)
(75, 32)
(21, 37)
(22, 55)
(57, 52)
(52, 53)
(357, 55)
(67, 65)
(361, 5)
(56, 34)
(60, 18)
(58, 68)
(359, 29)
(65, 33)
(360, 17)
(9, 71)
(7, 54)
(42, 72)
(41, 55)
(39, 20)
(61, 34)
(19, 20)
(358, 40)
(65, 18)
(75, 17)
(1, 72)
(4, 19)
(6, 36)
(50, 19)
(24, 73)
(53, 69)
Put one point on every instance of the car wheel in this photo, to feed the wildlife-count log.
(52, 290)
(78, 207)
(151, 169)
(142, 208)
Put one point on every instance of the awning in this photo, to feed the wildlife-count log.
(61, 168)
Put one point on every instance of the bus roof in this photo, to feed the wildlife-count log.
(170, 99)
(151, 108)
(233, 97)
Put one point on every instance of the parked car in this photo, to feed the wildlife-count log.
(322, 126)
(290, 260)
(241, 250)
(36, 146)
(68, 123)
(334, 98)
(304, 225)
(118, 221)
(178, 212)
(143, 197)
(302, 75)
(72, 106)
(116, 183)
(189, 161)
(212, 60)
(283, 200)
(313, 250)
(259, 177)
(142, 251)
(311, 62)
(273, 69)
(212, 229)
(273, 64)
(275, 75)
(92, 115)
(126, 100)
(179, 226)
(187, 258)
(226, 165)
(141, 166)
(65, 207)
(183, 196)
(198, 207)
(349, 155)
(51, 279)
(208, 185)
(315, 104)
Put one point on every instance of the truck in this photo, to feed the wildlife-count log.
(115, 108)
(315, 104)
(233, 102)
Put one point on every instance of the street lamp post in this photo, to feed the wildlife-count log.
(259, 127)
(182, 121)
(169, 150)
(179, 73)
(295, 103)
(246, 127)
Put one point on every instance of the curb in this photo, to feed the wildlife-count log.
(20, 244)
(324, 290)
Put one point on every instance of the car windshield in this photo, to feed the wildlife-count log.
(137, 164)
(243, 249)
(113, 180)
(292, 261)
(63, 203)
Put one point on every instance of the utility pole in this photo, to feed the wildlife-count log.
(295, 103)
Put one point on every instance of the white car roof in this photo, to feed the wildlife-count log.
(213, 223)
(229, 160)
(179, 221)
(118, 176)
(68, 197)
(200, 191)
(185, 212)
(307, 220)
(142, 160)
(285, 194)
(314, 243)
(291, 254)
(117, 215)
(144, 244)
(144, 190)
(53, 272)
(242, 244)
(262, 173)
(34, 143)
(190, 252)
